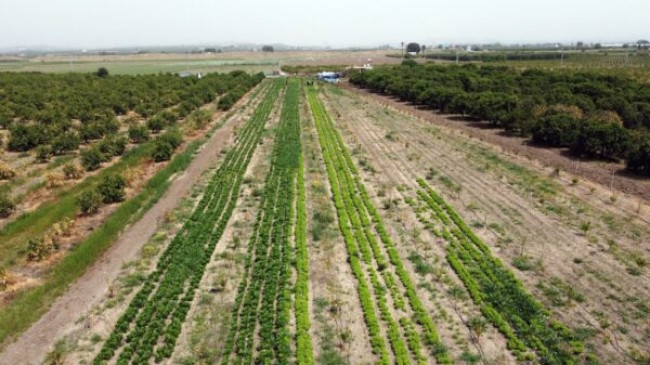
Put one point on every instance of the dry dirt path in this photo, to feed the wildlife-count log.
(33, 345)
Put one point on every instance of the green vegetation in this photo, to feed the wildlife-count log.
(138, 66)
(7, 205)
(29, 305)
(593, 115)
(503, 300)
(89, 202)
(304, 346)
(138, 133)
(263, 297)
(39, 109)
(152, 323)
(112, 189)
(165, 145)
(360, 225)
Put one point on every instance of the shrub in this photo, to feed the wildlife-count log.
(559, 130)
(112, 188)
(91, 131)
(43, 153)
(112, 146)
(25, 137)
(92, 158)
(138, 134)
(6, 172)
(110, 125)
(72, 171)
(199, 119)
(168, 116)
(102, 72)
(39, 248)
(53, 180)
(229, 99)
(604, 140)
(7, 206)
(173, 137)
(156, 123)
(638, 159)
(89, 202)
(65, 143)
(162, 151)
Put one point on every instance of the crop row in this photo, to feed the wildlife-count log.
(263, 299)
(502, 298)
(360, 224)
(152, 323)
(304, 346)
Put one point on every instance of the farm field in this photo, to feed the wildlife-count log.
(322, 226)
(217, 62)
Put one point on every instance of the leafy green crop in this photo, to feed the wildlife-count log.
(360, 225)
(502, 298)
(152, 322)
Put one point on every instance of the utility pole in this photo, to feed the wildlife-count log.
(402, 49)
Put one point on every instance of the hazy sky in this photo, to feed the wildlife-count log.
(336, 23)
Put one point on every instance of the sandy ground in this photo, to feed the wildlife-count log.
(88, 290)
(608, 298)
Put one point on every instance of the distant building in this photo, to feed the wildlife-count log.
(366, 66)
(184, 74)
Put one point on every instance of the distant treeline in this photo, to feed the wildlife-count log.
(594, 115)
(497, 56)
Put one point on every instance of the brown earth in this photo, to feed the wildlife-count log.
(32, 346)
